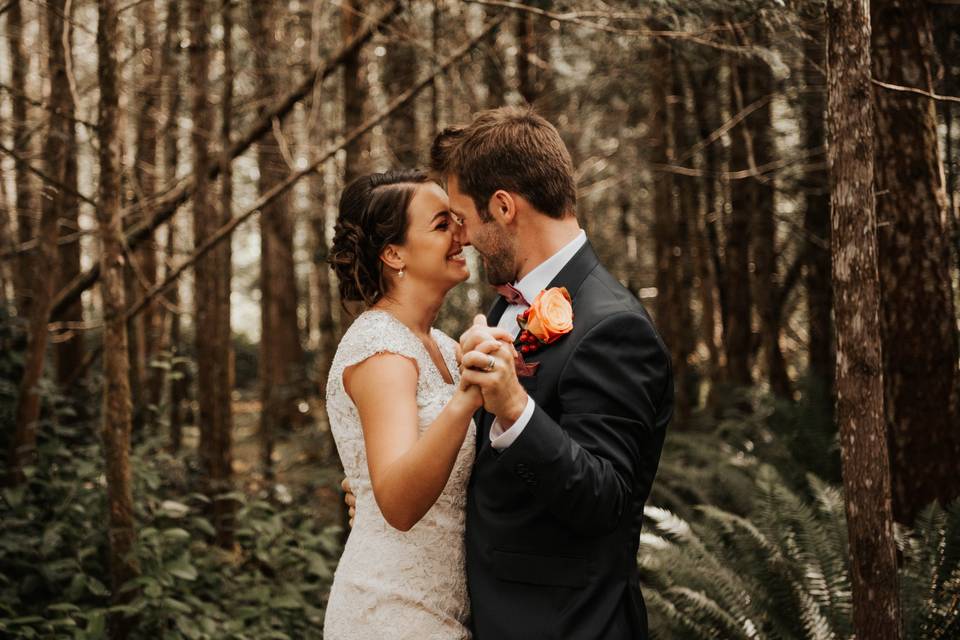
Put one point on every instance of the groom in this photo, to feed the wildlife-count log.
(567, 451)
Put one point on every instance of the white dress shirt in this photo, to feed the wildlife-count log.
(530, 286)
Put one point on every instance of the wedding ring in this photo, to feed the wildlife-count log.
(490, 365)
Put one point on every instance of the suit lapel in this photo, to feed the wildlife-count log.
(571, 276)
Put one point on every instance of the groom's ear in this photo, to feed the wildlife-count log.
(503, 206)
(391, 257)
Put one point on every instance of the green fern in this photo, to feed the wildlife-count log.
(783, 572)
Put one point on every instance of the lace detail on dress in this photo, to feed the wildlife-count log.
(389, 583)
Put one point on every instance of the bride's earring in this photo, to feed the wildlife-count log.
(400, 273)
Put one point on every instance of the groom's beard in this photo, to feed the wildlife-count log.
(500, 266)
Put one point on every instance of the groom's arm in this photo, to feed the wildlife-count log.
(613, 389)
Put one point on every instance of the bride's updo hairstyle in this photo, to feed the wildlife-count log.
(373, 214)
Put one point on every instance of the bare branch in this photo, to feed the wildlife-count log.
(167, 204)
(927, 94)
(43, 176)
(280, 188)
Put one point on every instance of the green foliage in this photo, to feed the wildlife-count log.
(716, 460)
(783, 572)
(54, 578)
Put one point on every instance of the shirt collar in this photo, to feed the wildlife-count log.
(537, 280)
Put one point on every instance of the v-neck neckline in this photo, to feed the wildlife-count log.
(436, 368)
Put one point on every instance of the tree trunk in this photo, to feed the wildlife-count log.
(816, 219)
(756, 83)
(355, 89)
(921, 383)
(400, 70)
(170, 66)
(281, 355)
(744, 200)
(69, 353)
(116, 390)
(220, 471)
(20, 132)
(323, 293)
(145, 180)
(45, 258)
(866, 477)
(211, 281)
(672, 308)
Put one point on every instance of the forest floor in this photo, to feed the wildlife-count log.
(305, 462)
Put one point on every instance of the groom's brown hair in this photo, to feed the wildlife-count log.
(510, 148)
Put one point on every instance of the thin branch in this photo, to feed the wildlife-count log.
(227, 229)
(760, 170)
(926, 94)
(31, 245)
(166, 205)
(43, 176)
(576, 18)
(43, 105)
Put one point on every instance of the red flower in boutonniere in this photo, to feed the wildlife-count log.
(549, 318)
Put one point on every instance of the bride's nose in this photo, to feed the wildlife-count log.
(460, 236)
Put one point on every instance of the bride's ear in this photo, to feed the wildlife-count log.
(390, 256)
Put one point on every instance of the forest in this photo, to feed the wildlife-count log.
(775, 180)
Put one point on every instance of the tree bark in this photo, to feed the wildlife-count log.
(672, 307)
(816, 219)
(20, 132)
(323, 293)
(69, 353)
(756, 82)
(921, 383)
(116, 390)
(45, 258)
(281, 356)
(744, 199)
(220, 471)
(355, 90)
(400, 70)
(866, 477)
(170, 66)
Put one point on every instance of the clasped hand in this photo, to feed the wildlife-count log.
(488, 362)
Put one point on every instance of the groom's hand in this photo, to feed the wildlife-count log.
(480, 334)
(503, 395)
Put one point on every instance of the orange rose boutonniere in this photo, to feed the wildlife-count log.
(549, 318)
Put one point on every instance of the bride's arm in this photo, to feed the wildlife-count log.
(407, 470)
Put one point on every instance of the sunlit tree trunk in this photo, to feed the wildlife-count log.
(863, 442)
(116, 389)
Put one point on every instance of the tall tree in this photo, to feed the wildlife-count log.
(866, 475)
(922, 383)
(281, 357)
(355, 90)
(45, 259)
(170, 68)
(323, 296)
(745, 197)
(20, 131)
(146, 325)
(816, 216)
(212, 275)
(69, 352)
(400, 70)
(116, 385)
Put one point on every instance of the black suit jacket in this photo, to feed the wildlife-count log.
(553, 521)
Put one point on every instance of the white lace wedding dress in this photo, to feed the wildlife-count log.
(392, 584)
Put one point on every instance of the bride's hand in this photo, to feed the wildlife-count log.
(470, 395)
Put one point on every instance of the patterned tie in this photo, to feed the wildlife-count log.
(512, 295)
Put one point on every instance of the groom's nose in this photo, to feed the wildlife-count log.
(460, 234)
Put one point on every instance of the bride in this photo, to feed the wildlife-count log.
(401, 418)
